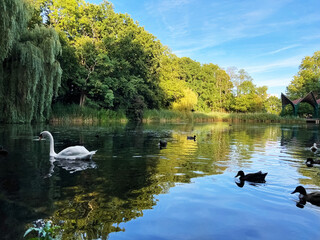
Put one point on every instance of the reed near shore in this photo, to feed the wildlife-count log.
(85, 115)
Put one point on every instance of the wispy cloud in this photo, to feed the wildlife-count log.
(222, 23)
(173, 14)
(276, 82)
(281, 49)
(268, 67)
(165, 5)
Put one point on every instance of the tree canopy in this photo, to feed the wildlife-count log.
(29, 71)
(88, 54)
(307, 79)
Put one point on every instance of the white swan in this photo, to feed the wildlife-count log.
(71, 153)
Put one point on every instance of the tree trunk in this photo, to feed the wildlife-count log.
(82, 99)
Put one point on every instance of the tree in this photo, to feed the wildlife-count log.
(13, 19)
(30, 87)
(187, 102)
(170, 83)
(250, 98)
(307, 79)
(238, 77)
(118, 60)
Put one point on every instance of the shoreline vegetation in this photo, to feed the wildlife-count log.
(74, 114)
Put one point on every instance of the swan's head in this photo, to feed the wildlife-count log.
(44, 134)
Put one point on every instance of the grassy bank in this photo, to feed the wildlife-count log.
(85, 115)
(176, 116)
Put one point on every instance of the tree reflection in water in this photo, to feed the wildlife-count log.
(126, 174)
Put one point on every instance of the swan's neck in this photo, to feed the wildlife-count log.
(52, 152)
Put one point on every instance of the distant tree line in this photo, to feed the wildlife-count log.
(74, 52)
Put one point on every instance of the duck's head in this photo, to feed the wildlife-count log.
(240, 173)
(300, 190)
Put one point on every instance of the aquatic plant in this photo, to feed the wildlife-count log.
(45, 231)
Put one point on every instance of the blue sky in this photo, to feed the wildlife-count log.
(267, 38)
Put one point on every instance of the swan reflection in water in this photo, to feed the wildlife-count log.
(71, 166)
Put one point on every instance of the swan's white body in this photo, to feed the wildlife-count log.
(71, 153)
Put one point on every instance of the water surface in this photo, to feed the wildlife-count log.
(132, 189)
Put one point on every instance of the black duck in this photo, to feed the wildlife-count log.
(252, 177)
(310, 162)
(191, 137)
(163, 143)
(313, 198)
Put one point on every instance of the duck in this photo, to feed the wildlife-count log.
(313, 198)
(310, 162)
(314, 148)
(70, 153)
(258, 177)
(163, 143)
(3, 152)
(191, 137)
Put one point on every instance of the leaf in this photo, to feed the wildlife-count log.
(30, 230)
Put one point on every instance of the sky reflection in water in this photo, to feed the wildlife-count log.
(132, 189)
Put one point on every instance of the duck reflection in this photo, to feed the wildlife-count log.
(241, 183)
(71, 166)
(301, 203)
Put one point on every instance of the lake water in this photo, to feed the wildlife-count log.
(132, 189)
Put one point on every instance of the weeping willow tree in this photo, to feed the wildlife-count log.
(30, 74)
(12, 20)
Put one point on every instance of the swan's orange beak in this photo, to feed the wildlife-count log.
(40, 136)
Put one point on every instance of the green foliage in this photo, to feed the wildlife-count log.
(13, 19)
(307, 79)
(105, 60)
(74, 113)
(211, 84)
(272, 105)
(249, 98)
(117, 59)
(178, 116)
(30, 75)
(46, 232)
(187, 102)
(136, 109)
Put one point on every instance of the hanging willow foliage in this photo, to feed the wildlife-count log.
(13, 19)
(31, 77)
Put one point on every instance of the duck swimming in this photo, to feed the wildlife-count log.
(71, 153)
(258, 177)
(313, 198)
(310, 162)
(163, 143)
(314, 148)
(191, 137)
